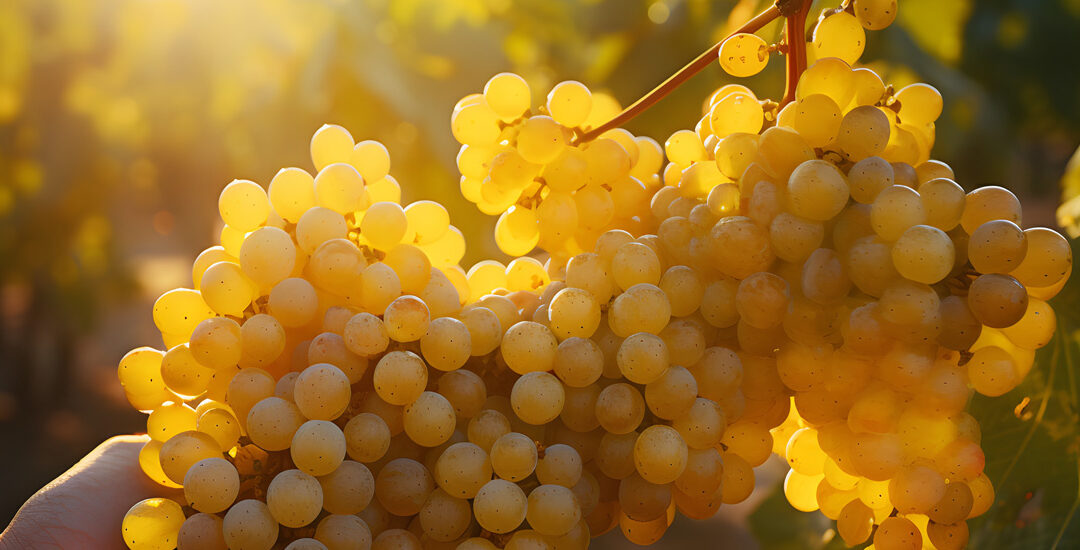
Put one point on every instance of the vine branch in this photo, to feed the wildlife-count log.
(704, 60)
(796, 49)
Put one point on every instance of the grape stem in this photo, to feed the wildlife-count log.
(796, 50)
(704, 60)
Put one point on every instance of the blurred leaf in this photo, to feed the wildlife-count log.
(937, 26)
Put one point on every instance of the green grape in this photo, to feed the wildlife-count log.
(322, 392)
(830, 76)
(541, 140)
(153, 523)
(919, 103)
(684, 147)
(348, 489)
(183, 450)
(897, 533)
(367, 437)
(1048, 259)
(513, 456)
(318, 225)
(817, 118)
(560, 465)
(997, 300)
(574, 312)
(429, 420)
(839, 35)
(552, 510)
(875, 15)
(923, 254)
(762, 299)
(384, 225)
(737, 479)
(464, 468)
(211, 485)
(201, 531)
(801, 490)
(660, 454)
(500, 506)
(400, 377)
(272, 423)
(569, 103)
(528, 347)
(864, 132)
(343, 532)
(738, 112)
(243, 205)
(340, 188)
(318, 447)
(537, 398)
(743, 55)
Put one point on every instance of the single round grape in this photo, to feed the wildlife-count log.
(569, 103)
(660, 454)
(322, 392)
(201, 531)
(537, 398)
(738, 112)
(508, 95)
(514, 456)
(340, 188)
(574, 312)
(500, 506)
(1048, 258)
(183, 450)
(475, 124)
(318, 447)
(923, 254)
(211, 485)
(943, 199)
(864, 132)
(343, 532)
(817, 118)
(462, 469)
(997, 246)
(400, 377)
(919, 103)
(997, 300)
(743, 55)
(293, 302)
(895, 209)
(897, 533)
(620, 408)
(348, 489)
(839, 35)
(384, 225)
(153, 523)
(429, 420)
(402, 486)
(294, 498)
(529, 347)
(560, 465)
(243, 205)
(989, 203)
(552, 510)
(875, 15)
(992, 371)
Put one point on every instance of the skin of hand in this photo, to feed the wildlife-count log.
(84, 507)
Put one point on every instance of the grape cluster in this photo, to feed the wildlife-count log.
(802, 281)
(548, 188)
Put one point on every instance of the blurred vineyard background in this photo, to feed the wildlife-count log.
(121, 120)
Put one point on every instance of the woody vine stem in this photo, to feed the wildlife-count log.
(794, 11)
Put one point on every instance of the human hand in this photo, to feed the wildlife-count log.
(83, 508)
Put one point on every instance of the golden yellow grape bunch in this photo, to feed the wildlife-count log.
(800, 278)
